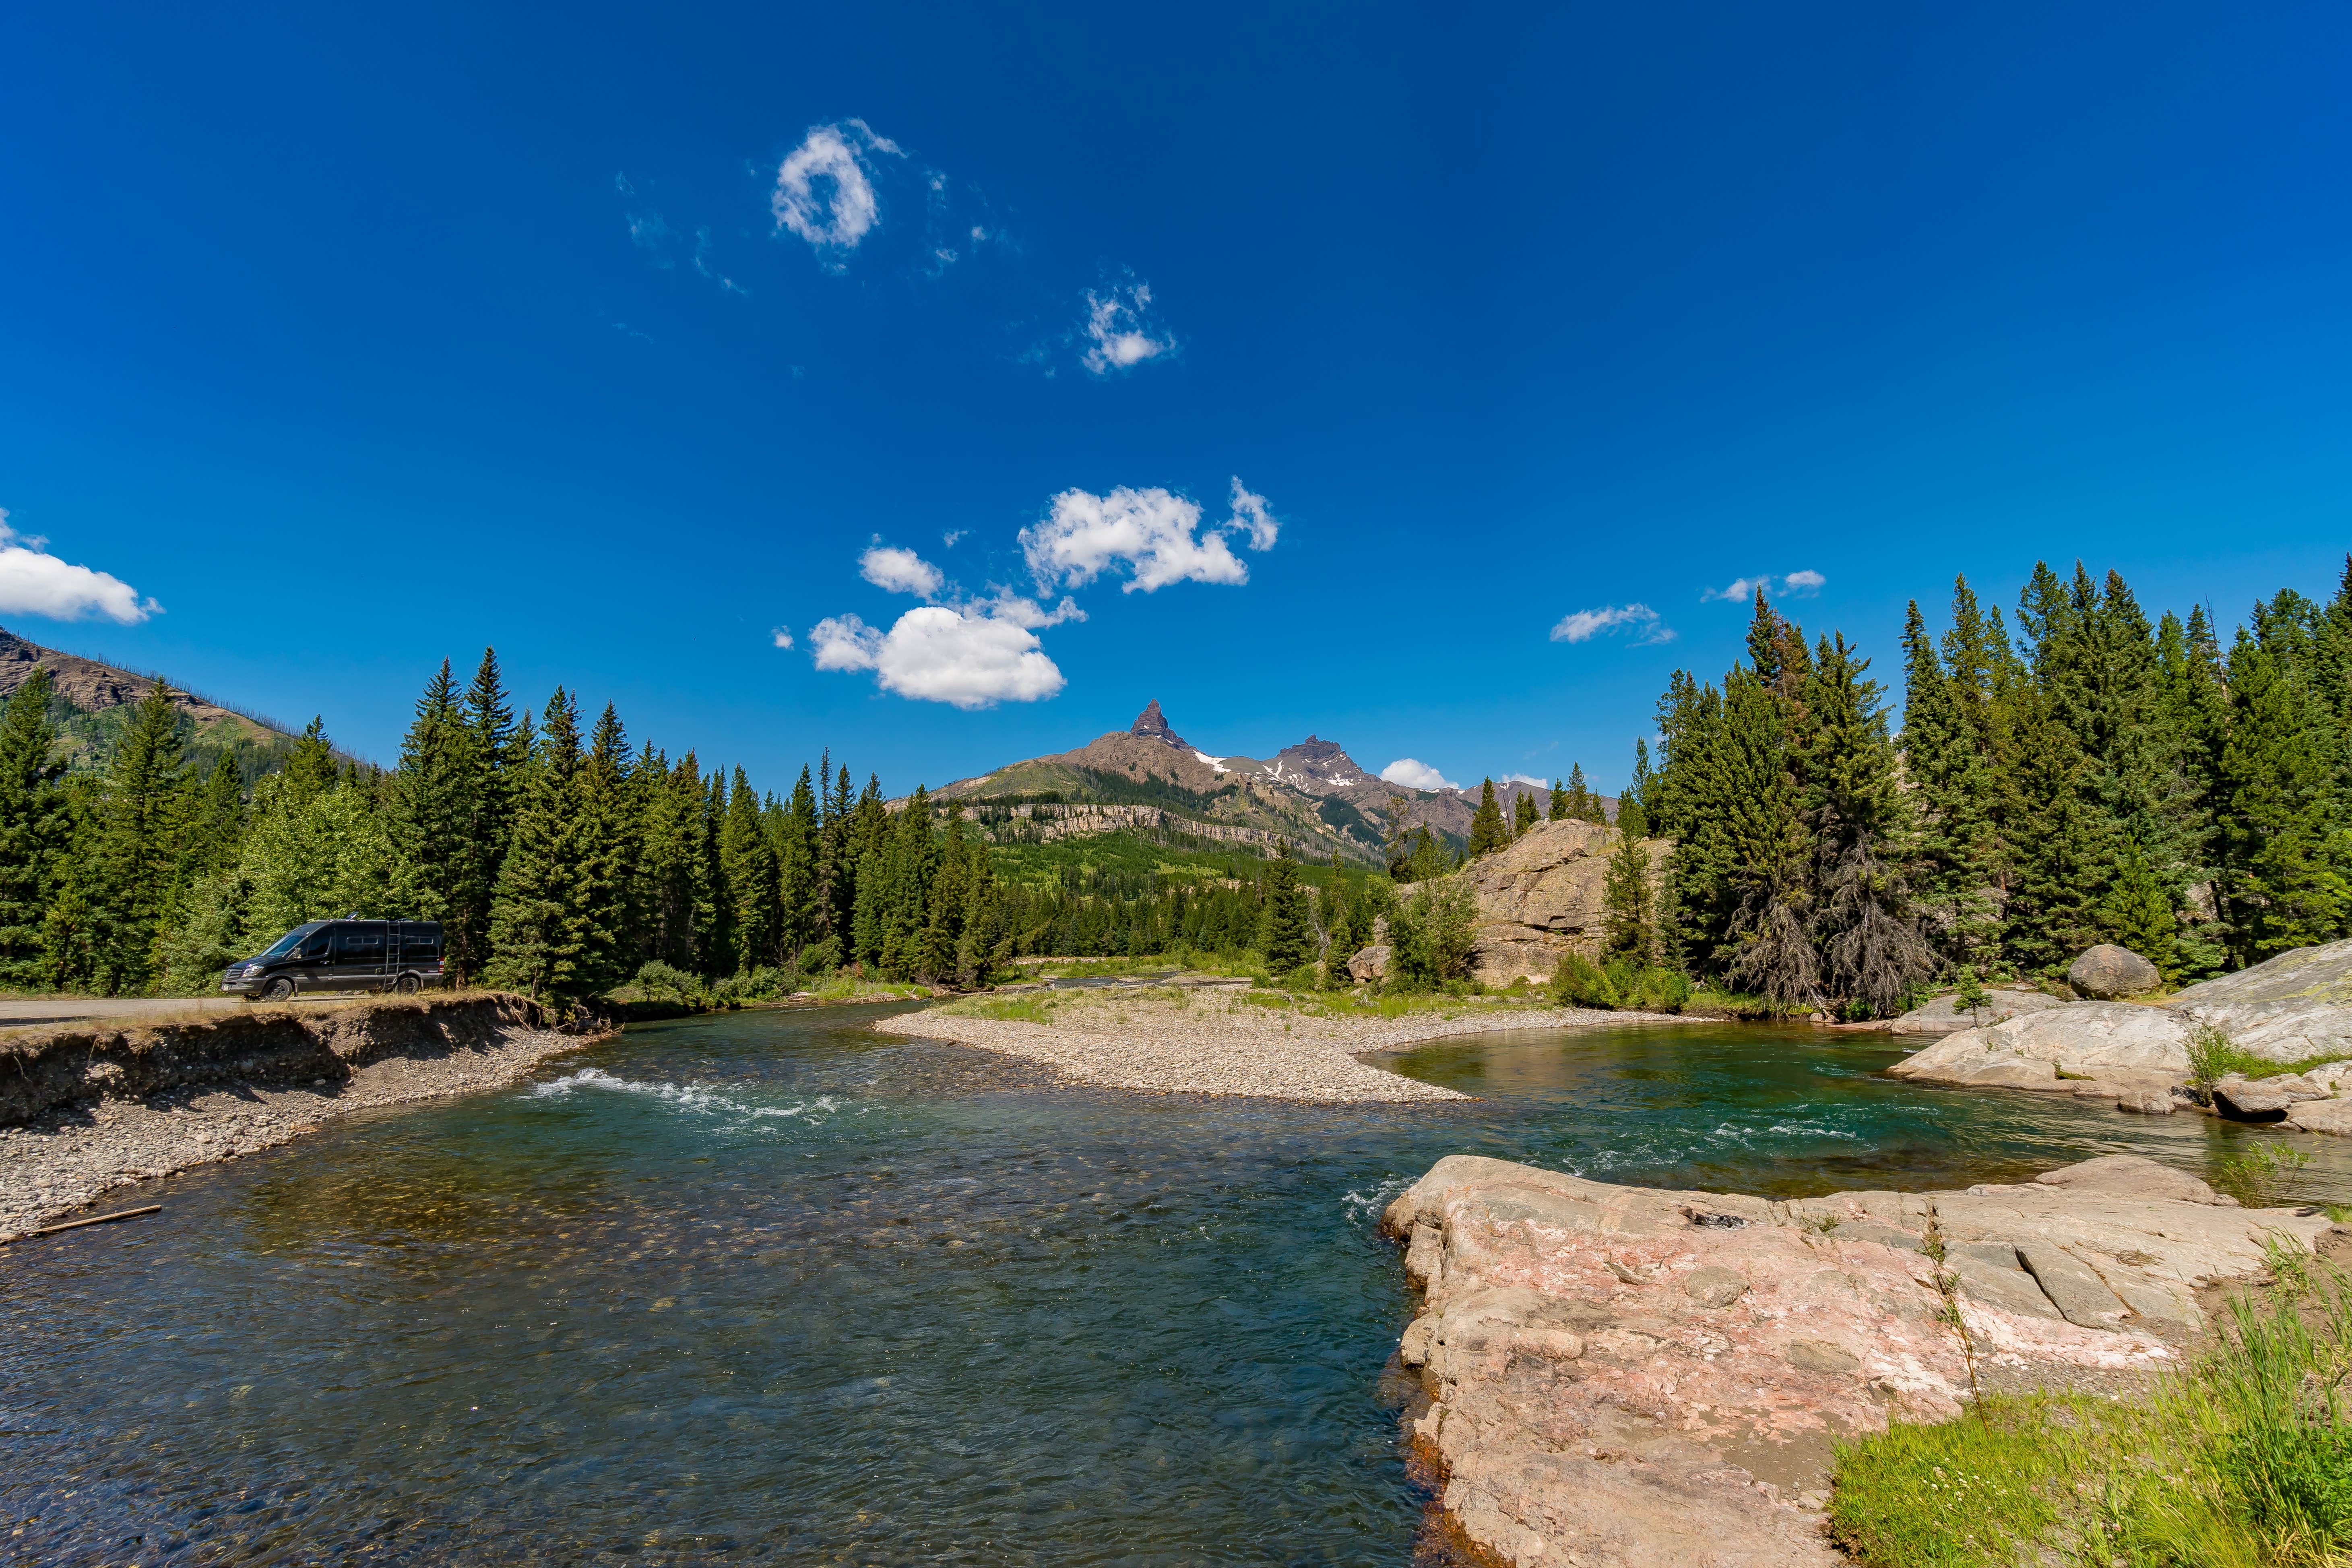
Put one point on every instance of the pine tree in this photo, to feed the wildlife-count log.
(1339, 943)
(1864, 925)
(800, 871)
(2284, 852)
(1284, 936)
(748, 856)
(1630, 906)
(1523, 813)
(945, 901)
(604, 902)
(433, 807)
(479, 772)
(1486, 831)
(2139, 913)
(1559, 802)
(36, 826)
(535, 943)
(2051, 914)
(130, 866)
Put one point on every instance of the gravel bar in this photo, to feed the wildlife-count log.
(69, 1156)
(1211, 1045)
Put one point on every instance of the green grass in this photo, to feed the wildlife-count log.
(2243, 1459)
(2212, 1058)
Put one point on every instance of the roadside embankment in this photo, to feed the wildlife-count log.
(83, 1110)
(1638, 1378)
(1224, 1042)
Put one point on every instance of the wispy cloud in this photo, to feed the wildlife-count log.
(1153, 535)
(35, 583)
(1119, 329)
(702, 265)
(1792, 585)
(1416, 775)
(1525, 779)
(1583, 626)
(825, 189)
(782, 635)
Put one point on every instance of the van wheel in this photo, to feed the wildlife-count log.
(278, 990)
(407, 985)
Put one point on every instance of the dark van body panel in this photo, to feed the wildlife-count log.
(345, 956)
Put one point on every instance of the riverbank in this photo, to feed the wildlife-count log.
(1225, 1042)
(91, 1112)
(1637, 1377)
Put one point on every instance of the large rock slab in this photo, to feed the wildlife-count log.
(1540, 896)
(2107, 973)
(1944, 1017)
(2331, 1116)
(1650, 1378)
(2114, 1042)
(2293, 1007)
(1630, 1377)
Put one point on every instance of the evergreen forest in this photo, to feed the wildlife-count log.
(2091, 775)
(561, 861)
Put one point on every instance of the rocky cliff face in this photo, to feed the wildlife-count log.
(1624, 1377)
(1541, 896)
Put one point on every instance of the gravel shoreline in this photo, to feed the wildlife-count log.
(69, 1156)
(1212, 1044)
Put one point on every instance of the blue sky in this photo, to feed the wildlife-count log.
(1305, 370)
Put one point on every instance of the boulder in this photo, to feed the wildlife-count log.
(2252, 1100)
(1609, 1367)
(2334, 1116)
(2002, 1003)
(2114, 1042)
(1371, 963)
(1540, 896)
(2290, 1008)
(2107, 972)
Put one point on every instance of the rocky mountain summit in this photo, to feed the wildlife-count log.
(1312, 792)
(1628, 1377)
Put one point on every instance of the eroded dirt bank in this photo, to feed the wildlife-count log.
(84, 1110)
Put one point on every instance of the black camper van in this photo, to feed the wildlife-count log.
(345, 956)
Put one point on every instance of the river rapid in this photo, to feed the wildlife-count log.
(773, 1288)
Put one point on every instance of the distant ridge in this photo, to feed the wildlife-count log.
(1312, 793)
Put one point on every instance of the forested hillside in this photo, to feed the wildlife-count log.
(2097, 776)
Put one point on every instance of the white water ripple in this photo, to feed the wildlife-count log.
(689, 1098)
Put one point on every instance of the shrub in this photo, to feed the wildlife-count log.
(659, 979)
(2258, 1178)
(1970, 994)
(1578, 982)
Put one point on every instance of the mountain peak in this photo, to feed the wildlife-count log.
(1153, 724)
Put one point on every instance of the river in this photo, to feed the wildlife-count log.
(773, 1288)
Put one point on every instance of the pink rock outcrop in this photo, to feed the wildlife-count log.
(1642, 1378)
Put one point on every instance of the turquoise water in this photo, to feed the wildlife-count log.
(771, 1288)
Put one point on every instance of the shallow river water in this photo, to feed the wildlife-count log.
(773, 1288)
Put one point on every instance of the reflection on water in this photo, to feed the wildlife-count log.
(770, 1288)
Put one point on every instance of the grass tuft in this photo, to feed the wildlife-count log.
(2244, 1459)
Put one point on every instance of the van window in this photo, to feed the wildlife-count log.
(355, 942)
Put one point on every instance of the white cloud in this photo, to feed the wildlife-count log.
(1415, 775)
(1009, 605)
(965, 658)
(824, 188)
(1523, 778)
(34, 582)
(1250, 514)
(1795, 585)
(900, 572)
(1582, 625)
(1151, 533)
(782, 635)
(952, 535)
(1119, 332)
